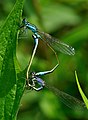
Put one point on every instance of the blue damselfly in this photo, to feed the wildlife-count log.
(37, 84)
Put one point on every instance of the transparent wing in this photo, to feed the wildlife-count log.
(23, 33)
(56, 44)
(67, 99)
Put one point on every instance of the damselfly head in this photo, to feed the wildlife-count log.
(32, 75)
(24, 20)
(23, 24)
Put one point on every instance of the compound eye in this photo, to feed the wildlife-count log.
(24, 20)
(33, 74)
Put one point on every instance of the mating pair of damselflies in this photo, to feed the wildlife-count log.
(33, 80)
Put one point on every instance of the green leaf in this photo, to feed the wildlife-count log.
(8, 65)
(81, 92)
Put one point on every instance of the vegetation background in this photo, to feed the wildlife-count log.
(68, 21)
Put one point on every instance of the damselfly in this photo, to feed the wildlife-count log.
(52, 42)
(36, 83)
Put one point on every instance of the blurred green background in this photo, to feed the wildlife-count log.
(68, 21)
